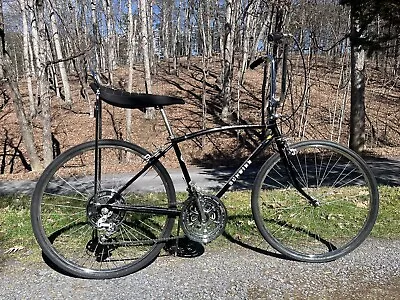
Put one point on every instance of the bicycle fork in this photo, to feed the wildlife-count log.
(285, 152)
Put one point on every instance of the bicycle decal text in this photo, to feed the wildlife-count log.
(147, 157)
(239, 172)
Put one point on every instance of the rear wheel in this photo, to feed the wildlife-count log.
(80, 232)
(334, 176)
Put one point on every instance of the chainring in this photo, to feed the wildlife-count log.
(203, 231)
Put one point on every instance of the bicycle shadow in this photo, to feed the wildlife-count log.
(240, 243)
(187, 248)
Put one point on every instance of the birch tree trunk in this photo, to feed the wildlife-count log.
(205, 63)
(110, 41)
(131, 46)
(151, 39)
(95, 28)
(246, 41)
(245, 51)
(166, 12)
(131, 28)
(43, 87)
(27, 65)
(208, 31)
(59, 55)
(35, 37)
(145, 46)
(228, 59)
(175, 40)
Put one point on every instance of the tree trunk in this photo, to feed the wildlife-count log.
(249, 14)
(131, 47)
(176, 40)
(166, 13)
(96, 36)
(2, 43)
(205, 63)
(35, 37)
(110, 42)
(228, 58)
(43, 87)
(23, 122)
(357, 109)
(59, 55)
(146, 59)
(150, 37)
(27, 65)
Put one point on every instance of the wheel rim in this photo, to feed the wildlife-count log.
(340, 223)
(69, 221)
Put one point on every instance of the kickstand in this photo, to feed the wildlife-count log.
(177, 239)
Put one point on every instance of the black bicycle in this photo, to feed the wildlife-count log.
(106, 208)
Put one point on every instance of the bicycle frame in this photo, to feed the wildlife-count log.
(174, 144)
(135, 214)
(271, 127)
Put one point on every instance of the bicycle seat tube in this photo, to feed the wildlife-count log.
(182, 164)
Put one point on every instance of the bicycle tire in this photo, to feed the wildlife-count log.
(333, 175)
(68, 225)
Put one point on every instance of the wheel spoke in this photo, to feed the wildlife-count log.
(344, 188)
(79, 232)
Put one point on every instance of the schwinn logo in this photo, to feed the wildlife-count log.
(239, 172)
(147, 157)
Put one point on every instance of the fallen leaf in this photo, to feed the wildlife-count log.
(14, 249)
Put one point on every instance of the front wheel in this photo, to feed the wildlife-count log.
(342, 215)
(78, 229)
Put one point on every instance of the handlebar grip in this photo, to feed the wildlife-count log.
(256, 63)
(277, 36)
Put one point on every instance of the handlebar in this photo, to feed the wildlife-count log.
(257, 62)
(273, 102)
(275, 37)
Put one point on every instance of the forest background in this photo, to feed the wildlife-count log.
(344, 88)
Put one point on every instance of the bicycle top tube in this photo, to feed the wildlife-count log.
(202, 132)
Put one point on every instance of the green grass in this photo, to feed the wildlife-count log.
(16, 234)
(17, 237)
(388, 223)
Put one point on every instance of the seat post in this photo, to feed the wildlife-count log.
(98, 136)
(166, 122)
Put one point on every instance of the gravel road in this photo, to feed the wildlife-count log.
(370, 272)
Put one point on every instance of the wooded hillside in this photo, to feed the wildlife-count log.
(345, 87)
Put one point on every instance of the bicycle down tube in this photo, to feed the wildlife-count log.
(174, 144)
